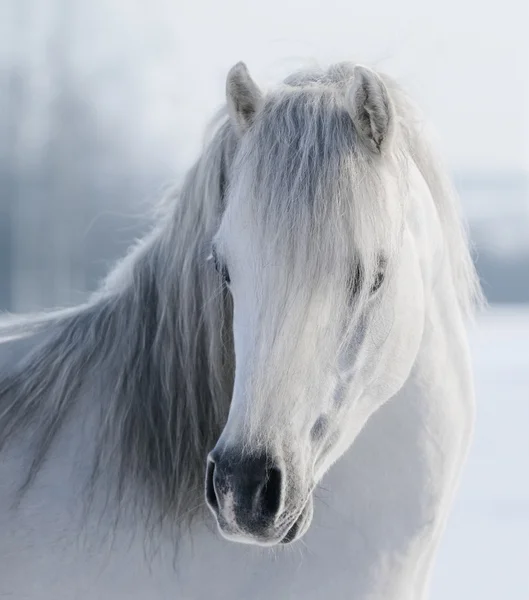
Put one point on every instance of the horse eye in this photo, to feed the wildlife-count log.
(380, 274)
(220, 267)
(225, 274)
(379, 280)
(355, 280)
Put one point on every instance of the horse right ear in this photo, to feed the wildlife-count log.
(243, 97)
(371, 109)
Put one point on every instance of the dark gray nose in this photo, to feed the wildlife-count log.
(245, 489)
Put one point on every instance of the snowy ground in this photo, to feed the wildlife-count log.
(485, 554)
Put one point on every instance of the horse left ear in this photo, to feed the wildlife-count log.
(243, 96)
(371, 109)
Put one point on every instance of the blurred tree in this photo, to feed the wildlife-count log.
(12, 107)
(64, 170)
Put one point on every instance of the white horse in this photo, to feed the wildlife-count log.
(331, 331)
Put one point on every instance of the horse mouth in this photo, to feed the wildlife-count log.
(300, 525)
(292, 532)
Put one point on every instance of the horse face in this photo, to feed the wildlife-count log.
(324, 329)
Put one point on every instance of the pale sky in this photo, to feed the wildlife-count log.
(467, 64)
(163, 63)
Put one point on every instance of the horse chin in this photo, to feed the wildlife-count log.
(297, 530)
(301, 524)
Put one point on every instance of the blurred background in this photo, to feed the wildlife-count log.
(103, 104)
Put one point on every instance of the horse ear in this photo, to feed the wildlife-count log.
(243, 96)
(371, 109)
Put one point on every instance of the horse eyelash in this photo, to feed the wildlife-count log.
(379, 280)
(221, 268)
(357, 278)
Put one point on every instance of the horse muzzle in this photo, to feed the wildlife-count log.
(248, 494)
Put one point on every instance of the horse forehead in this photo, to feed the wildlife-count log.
(299, 124)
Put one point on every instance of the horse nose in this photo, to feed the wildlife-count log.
(244, 492)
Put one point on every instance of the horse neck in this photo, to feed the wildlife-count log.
(393, 488)
(405, 465)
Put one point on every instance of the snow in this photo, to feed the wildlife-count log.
(485, 553)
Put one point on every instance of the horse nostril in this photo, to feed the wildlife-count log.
(271, 492)
(211, 494)
(244, 491)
